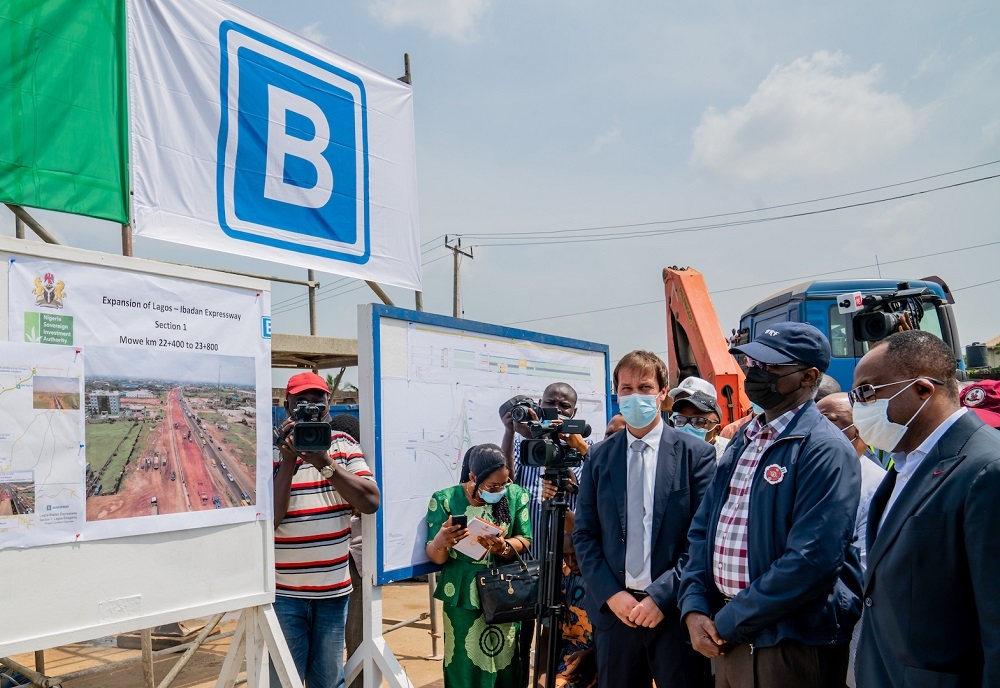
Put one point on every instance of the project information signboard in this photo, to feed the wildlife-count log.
(148, 386)
(438, 383)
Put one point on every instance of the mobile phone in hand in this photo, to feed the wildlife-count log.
(460, 520)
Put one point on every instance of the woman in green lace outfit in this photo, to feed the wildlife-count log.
(477, 654)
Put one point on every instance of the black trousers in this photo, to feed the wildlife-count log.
(789, 664)
(635, 657)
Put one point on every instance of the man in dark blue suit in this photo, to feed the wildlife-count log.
(638, 493)
(931, 598)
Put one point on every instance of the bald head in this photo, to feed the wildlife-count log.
(827, 386)
(837, 408)
(616, 423)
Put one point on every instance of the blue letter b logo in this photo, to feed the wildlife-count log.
(293, 168)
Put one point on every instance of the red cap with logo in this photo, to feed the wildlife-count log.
(303, 381)
(983, 397)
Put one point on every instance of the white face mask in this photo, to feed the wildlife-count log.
(872, 422)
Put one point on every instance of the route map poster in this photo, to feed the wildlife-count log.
(440, 391)
(41, 443)
(174, 372)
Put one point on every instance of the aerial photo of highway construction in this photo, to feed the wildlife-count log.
(157, 446)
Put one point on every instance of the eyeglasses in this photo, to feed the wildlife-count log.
(748, 363)
(866, 393)
(496, 488)
(695, 421)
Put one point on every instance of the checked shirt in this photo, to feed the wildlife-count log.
(729, 561)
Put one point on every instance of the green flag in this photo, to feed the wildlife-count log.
(63, 106)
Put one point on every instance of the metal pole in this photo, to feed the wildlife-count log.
(18, 228)
(311, 276)
(432, 579)
(126, 240)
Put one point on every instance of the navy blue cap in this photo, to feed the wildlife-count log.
(701, 401)
(789, 342)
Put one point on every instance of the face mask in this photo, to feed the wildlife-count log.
(761, 388)
(756, 408)
(700, 433)
(873, 424)
(639, 410)
(492, 497)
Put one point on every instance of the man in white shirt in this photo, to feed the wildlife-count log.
(932, 605)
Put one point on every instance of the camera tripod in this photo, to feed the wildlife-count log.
(550, 605)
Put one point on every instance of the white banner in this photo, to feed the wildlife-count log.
(250, 139)
(173, 373)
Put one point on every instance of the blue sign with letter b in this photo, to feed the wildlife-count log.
(292, 164)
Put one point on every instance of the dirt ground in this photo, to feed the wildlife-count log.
(412, 647)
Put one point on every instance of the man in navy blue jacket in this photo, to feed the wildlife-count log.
(772, 586)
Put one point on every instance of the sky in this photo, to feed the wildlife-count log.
(170, 366)
(537, 120)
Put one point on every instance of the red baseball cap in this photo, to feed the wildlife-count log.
(303, 381)
(983, 397)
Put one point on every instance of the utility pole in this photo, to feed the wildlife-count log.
(456, 248)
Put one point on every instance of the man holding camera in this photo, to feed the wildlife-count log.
(561, 397)
(315, 491)
(638, 493)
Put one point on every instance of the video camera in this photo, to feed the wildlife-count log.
(520, 408)
(545, 449)
(311, 433)
(879, 315)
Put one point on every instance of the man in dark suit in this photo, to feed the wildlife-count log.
(931, 598)
(638, 492)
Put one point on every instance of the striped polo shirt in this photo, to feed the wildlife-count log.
(312, 544)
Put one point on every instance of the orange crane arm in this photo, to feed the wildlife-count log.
(695, 343)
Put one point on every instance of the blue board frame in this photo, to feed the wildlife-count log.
(378, 312)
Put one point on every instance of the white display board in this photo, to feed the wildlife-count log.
(434, 385)
(120, 574)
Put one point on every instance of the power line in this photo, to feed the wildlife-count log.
(326, 296)
(737, 223)
(732, 213)
(779, 281)
(302, 299)
(973, 286)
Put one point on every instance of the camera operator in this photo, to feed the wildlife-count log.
(315, 491)
(562, 398)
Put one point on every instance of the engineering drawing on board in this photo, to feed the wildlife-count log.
(445, 400)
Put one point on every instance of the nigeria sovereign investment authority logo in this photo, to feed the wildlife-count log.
(292, 161)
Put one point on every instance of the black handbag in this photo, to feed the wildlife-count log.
(509, 592)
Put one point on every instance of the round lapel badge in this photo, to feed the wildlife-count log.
(975, 396)
(774, 474)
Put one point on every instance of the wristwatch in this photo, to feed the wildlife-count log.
(328, 471)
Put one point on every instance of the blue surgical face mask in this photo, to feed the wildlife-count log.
(700, 433)
(639, 410)
(492, 497)
(756, 409)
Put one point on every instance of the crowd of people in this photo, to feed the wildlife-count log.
(827, 539)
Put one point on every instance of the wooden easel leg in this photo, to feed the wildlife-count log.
(234, 658)
(270, 634)
(256, 631)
